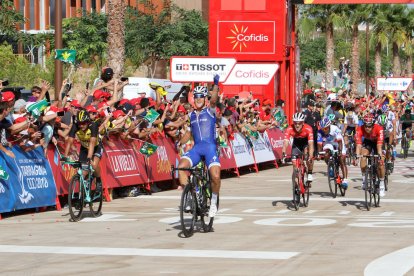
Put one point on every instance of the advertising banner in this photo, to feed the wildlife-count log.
(200, 69)
(160, 162)
(30, 183)
(393, 84)
(242, 151)
(262, 150)
(122, 164)
(247, 37)
(275, 137)
(227, 160)
(252, 74)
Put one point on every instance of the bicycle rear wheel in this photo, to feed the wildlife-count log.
(368, 187)
(295, 189)
(188, 210)
(96, 198)
(305, 195)
(206, 221)
(331, 179)
(405, 145)
(76, 198)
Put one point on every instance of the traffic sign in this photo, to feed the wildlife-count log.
(393, 84)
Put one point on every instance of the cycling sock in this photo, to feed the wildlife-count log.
(214, 199)
(381, 182)
(309, 171)
(363, 178)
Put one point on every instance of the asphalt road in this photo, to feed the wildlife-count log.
(255, 233)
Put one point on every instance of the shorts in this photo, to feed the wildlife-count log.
(299, 146)
(83, 153)
(203, 150)
(370, 146)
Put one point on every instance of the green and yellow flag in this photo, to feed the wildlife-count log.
(36, 109)
(66, 55)
(151, 116)
(148, 149)
(3, 174)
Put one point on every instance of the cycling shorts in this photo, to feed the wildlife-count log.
(205, 150)
(298, 146)
(83, 153)
(370, 146)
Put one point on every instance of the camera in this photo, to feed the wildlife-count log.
(5, 83)
(67, 88)
(124, 79)
(61, 113)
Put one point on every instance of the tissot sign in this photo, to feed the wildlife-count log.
(247, 37)
(393, 84)
(200, 69)
(251, 74)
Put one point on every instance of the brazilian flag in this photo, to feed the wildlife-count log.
(148, 149)
(66, 55)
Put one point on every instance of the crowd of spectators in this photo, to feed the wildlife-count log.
(124, 117)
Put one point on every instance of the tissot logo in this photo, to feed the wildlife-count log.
(241, 37)
(200, 67)
(246, 37)
(184, 67)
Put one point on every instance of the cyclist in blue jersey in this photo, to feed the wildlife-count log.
(203, 129)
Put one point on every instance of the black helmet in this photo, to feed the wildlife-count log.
(83, 116)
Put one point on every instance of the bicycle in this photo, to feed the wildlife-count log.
(389, 165)
(372, 181)
(405, 143)
(196, 200)
(351, 149)
(300, 188)
(334, 178)
(83, 191)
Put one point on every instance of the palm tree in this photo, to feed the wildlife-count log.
(116, 35)
(395, 18)
(323, 18)
(379, 34)
(409, 46)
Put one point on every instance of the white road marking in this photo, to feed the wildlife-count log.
(279, 180)
(271, 198)
(310, 212)
(249, 211)
(344, 212)
(223, 210)
(148, 252)
(386, 214)
(383, 223)
(217, 220)
(282, 211)
(300, 222)
(396, 263)
(106, 217)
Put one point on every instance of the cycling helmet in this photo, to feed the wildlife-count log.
(325, 122)
(368, 120)
(331, 117)
(200, 92)
(407, 111)
(382, 119)
(298, 117)
(83, 116)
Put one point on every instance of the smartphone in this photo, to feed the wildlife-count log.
(87, 85)
(5, 83)
(124, 79)
(61, 113)
(236, 97)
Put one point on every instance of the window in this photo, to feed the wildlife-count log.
(254, 5)
(231, 5)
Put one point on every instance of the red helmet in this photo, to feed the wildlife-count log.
(368, 120)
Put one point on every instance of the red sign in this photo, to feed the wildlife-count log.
(122, 165)
(276, 138)
(227, 160)
(247, 37)
(358, 1)
(160, 162)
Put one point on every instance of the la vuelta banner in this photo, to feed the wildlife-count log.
(227, 160)
(160, 162)
(242, 151)
(121, 164)
(30, 183)
(275, 138)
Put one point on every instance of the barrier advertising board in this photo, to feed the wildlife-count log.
(242, 151)
(262, 150)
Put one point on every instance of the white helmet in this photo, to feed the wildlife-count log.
(298, 117)
(200, 91)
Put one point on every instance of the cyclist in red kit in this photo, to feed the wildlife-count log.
(302, 135)
(373, 135)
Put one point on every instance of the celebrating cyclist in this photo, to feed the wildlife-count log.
(329, 139)
(370, 138)
(302, 135)
(90, 145)
(203, 129)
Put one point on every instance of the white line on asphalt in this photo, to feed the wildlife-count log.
(386, 214)
(106, 217)
(310, 212)
(269, 198)
(281, 180)
(344, 212)
(249, 210)
(282, 211)
(222, 210)
(396, 263)
(149, 252)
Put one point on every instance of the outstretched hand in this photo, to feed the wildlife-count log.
(216, 79)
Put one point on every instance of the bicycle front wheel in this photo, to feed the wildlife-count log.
(188, 210)
(368, 187)
(206, 221)
(96, 198)
(76, 198)
(331, 178)
(295, 189)
(375, 191)
(305, 195)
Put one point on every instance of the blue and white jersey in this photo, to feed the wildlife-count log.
(333, 136)
(203, 126)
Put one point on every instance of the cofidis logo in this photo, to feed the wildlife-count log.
(248, 37)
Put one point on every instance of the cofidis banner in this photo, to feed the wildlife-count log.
(30, 183)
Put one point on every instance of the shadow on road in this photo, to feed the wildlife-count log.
(360, 205)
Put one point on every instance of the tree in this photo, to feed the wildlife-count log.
(116, 35)
(9, 19)
(379, 34)
(88, 36)
(312, 54)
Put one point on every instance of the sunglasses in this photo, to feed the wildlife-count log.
(369, 126)
(298, 123)
(199, 96)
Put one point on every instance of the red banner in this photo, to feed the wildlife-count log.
(122, 164)
(227, 160)
(275, 137)
(160, 163)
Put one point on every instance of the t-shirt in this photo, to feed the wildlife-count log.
(376, 134)
(85, 136)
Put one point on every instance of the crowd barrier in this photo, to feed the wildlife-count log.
(38, 182)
